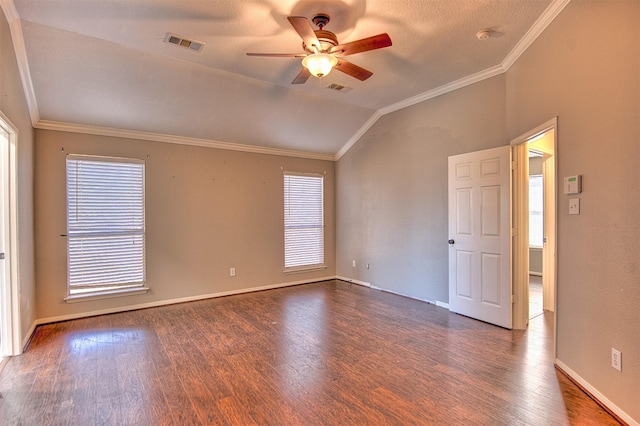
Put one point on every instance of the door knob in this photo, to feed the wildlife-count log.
(451, 242)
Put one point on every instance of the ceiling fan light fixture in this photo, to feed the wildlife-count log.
(319, 64)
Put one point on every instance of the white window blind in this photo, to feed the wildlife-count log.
(536, 201)
(303, 221)
(105, 224)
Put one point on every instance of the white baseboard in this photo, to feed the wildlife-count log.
(442, 304)
(27, 338)
(49, 320)
(433, 302)
(596, 394)
(41, 321)
(366, 284)
(349, 280)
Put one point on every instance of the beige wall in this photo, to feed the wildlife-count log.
(392, 189)
(591, 82)
(206, 210)
(14, 106)
(391, 185)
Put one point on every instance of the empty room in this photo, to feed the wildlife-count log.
(319, 212)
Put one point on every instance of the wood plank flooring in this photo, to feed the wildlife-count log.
(323, 353)
(536, 301)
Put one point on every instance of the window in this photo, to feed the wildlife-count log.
(536, 201)
(105, 225)
(303, 222)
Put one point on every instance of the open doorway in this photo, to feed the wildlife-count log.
(534, 220)
(536, 232)
(542, 219)
(544, 227)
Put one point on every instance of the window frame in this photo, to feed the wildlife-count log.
(307, 267)
(107, 290)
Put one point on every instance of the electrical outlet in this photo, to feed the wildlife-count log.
(354, 263)
(232, 272)
(616, 359)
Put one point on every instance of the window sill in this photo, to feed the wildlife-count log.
(300, 269)
(105, 294)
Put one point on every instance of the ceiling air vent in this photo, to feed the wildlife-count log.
(338, 88)
(189, 44)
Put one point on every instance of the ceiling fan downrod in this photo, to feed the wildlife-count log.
(320, 20)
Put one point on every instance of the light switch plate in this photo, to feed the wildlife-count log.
(574, 205)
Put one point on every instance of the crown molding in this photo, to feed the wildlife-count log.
(356, 137)
(179, 140)
(15, 27)
(449, 87)
(9, 10)
(550, 13)
(536, 29)
(430, 94)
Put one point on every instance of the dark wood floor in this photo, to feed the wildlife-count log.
(324, 353)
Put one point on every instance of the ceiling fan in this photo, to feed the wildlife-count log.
(322, 52)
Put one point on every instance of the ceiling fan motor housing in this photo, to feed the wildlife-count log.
(326, 38)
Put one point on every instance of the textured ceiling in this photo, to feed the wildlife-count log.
(103, 63)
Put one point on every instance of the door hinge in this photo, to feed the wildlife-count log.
(514, 165)
(513, 298)
(514, 232)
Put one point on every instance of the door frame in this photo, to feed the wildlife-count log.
(10, 324)
(520, 208)
(549, 246)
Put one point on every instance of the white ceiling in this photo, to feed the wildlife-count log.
(103, 64)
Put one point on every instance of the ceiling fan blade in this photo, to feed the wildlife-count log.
(279, 55)
(305, 31)
(370, 43)
(353, 70)
(302, 76)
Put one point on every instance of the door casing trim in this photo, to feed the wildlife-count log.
(10, 324)
(520, 262)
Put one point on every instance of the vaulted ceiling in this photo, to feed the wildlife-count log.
(103, 66)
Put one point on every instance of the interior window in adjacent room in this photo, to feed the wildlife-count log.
(105, 226)
(303, 221)
(536, 202)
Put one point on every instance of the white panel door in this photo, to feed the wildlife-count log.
(479, 235)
